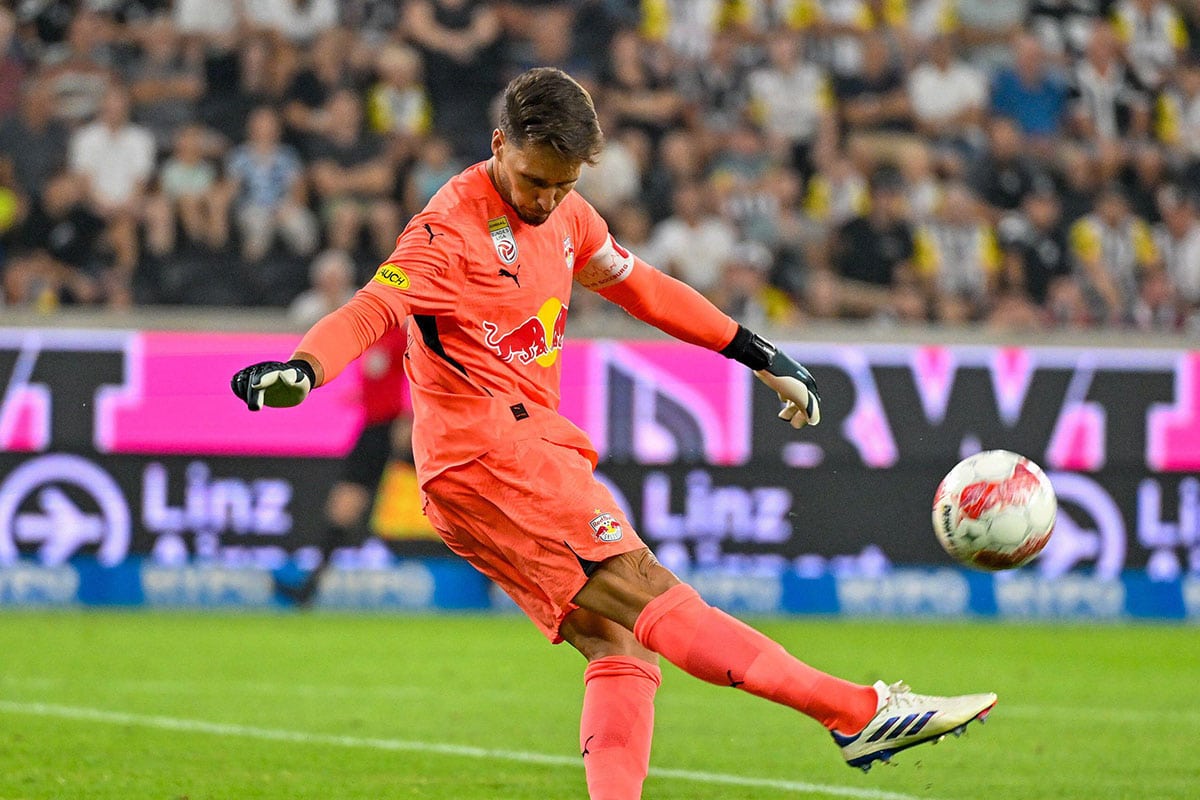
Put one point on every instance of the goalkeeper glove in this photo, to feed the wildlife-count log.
(274, 383)
(791, 381)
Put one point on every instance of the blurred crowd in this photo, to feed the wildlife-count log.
(1020, 164)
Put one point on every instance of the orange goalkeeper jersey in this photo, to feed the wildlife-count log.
(489, 296)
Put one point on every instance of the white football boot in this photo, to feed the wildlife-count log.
(905, 720)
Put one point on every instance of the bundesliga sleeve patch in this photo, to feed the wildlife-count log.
(611, 265)
(391, 275)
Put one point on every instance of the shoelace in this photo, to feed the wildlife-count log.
(901, 696)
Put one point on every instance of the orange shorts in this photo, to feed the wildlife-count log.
(531, 516)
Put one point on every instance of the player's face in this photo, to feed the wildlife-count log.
(533, 180)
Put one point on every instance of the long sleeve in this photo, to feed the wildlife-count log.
(671, 306)
(342, 335)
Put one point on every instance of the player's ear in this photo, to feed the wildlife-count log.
(497, 141)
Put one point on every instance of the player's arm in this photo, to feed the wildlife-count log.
(333, 342)
(679, 310)
(427, 283)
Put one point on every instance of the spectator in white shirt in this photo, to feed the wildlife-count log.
(948, 97)
(792, 100)
(693, 244)
(116, 158)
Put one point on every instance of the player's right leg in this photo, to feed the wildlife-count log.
(869, 723)
(617, 723)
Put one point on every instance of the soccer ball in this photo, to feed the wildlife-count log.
(995, 510)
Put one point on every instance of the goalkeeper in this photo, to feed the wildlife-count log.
(485, 273)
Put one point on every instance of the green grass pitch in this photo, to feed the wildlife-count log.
(120, 705)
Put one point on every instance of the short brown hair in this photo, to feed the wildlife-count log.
(545, 106)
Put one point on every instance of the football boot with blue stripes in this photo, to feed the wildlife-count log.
(905, 719)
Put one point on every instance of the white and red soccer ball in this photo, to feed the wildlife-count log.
(995, 510)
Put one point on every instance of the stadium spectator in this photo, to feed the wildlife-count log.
(1178, 240)
(212, 22)
(227, 104)
(1178, 119)
(79, 70)
(298, 22)
(353, 179)
(1106, 102)
(1157, 306)
(1033, 242)
(792, 99)
(985, 27)
(836, 193)
(116, 158)
(871, 256)
(308, 97)
(188, 198)
(1004, 173)
(845, 29)
(332, 281)
(1146, 171)
(34, 142)
(1064, 26)
(54, 254)
(166, 88)
(1112, 251)
(948, 98)
(638, 93)
(715, 88)
(874, 103)
(957, 257)
(398, 105)
(681, 159)
(1029, 93)
(694, 243)
(14, 64)
(616, 177)
(922, 186)
(435, 164)
(265, 179)
(461, 45)
(1080, 182)
(1154, 37)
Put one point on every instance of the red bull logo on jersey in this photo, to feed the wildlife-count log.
(503, 239)
(537, 339)
(605, 527)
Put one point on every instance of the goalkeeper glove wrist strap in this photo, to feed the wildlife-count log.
(306, 368)
(748, 348)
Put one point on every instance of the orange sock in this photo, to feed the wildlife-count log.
(709, 644)
(617, 725)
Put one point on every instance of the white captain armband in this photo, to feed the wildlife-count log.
(609, 266)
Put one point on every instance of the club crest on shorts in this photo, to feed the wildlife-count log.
(605, 527)
(503, 239)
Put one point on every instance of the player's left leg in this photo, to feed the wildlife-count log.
(667, 616)
(617, 723)
(670, 618)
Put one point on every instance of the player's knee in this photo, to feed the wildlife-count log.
(596, 637)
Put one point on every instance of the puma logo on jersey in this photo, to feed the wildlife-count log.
(429, 230)
(514, 275)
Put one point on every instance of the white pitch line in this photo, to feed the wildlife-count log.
(85, 714)
(1126, 715)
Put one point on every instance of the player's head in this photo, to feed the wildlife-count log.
(548, 130)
